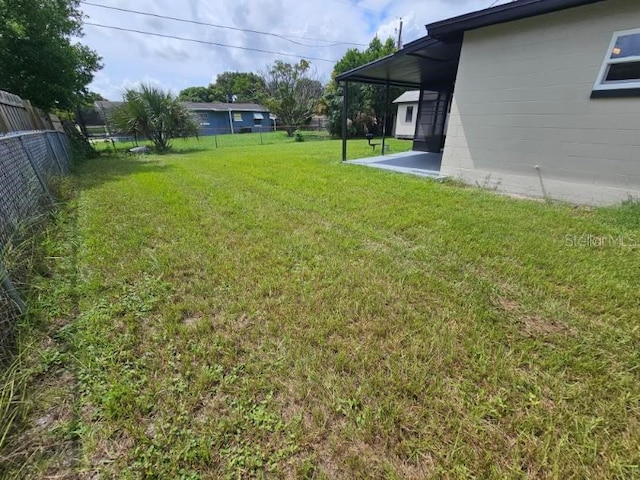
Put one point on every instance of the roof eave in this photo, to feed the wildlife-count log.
(352, 75)
(455, 27)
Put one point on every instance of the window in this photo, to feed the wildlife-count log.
(408, 117)
(257, 119)
(237, 117)
(620, 71)
(203, 118)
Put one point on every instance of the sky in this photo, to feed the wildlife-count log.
(319, 30)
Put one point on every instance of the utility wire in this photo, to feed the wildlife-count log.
(195, 22)
(205, 42)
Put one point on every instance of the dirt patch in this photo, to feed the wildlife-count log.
(191, 319)
(508, 305)
(536, 326)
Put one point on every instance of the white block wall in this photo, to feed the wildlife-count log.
(522, 99)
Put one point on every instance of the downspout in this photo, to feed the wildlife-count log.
(384, 117)
(345, 91)
(231, 122)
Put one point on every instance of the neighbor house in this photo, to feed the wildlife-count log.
(222, 118)
(214, 118)
(533, 97)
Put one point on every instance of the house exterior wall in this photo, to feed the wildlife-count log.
(404, 129)
(522, 119)
(218, 122)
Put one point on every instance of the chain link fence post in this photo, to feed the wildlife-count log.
(43, 184)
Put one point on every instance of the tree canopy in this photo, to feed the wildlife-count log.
(292, 93)
(365, 103)
(241, 87)
(157, 115)
(38, 60)
(195, 94)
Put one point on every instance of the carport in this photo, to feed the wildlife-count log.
(429, 65)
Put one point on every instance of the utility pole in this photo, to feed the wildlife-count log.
(400, 35)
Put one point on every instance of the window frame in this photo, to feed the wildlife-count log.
(237, 116)
(621, 88)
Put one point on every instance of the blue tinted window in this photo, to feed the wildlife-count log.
(627, 46)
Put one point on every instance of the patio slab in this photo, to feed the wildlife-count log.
(424, 164)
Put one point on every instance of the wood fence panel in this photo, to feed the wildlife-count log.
(16, 114)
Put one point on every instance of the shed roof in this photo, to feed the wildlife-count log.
(412, 96)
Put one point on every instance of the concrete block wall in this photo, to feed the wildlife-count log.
(522, 119)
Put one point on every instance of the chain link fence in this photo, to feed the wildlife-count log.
(29, 161)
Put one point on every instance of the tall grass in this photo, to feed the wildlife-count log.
(23, 258)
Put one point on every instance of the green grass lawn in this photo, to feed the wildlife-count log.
(268, 312)
(359, 146)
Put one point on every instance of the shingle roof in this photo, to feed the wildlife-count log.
(199, 106)
(225, 107)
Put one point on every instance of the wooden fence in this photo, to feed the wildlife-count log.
(18, 115)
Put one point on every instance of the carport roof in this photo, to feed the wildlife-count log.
(426, 62)
(431, 62)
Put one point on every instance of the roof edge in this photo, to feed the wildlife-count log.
(507, 12)
(352, 75)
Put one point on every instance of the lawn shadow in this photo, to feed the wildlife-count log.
(185, 150)
(110, 167)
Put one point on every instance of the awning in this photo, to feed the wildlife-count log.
(425, 63)
(258, 116)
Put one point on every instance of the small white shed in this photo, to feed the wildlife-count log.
(405, 126)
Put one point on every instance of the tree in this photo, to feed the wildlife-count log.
(365, 103)
(156, 115)
(195, 94)
(292, 93)
(238, 87)
(38, 60)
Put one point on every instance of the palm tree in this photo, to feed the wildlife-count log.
(157, 115)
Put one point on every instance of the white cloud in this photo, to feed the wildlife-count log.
(175, 64)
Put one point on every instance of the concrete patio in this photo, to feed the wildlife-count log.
(423, 164)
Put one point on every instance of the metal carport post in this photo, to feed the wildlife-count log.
(345, 92)
(384, 117)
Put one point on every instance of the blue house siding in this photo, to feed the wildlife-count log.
(217, 122)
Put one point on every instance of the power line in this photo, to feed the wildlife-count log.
(195, 22)
(205, 42)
